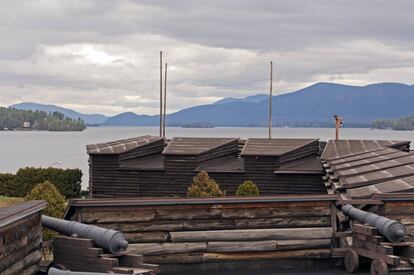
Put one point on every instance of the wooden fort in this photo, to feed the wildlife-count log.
(20, 238)
(151, 166)
(374, 175)
(211, 230)
(297, 218)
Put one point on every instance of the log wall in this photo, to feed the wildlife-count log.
(20, 239)
(202, 230)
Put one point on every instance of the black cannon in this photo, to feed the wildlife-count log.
(393, 230)
(54, 271)
(110, 240)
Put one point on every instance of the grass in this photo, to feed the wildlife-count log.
(7, 201)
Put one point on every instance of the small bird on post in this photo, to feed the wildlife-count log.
(338, 123)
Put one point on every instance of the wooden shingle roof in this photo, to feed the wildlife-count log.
(273, 147)
(307, 165)
(346, 147)
(17, 212)
(120, 146)
(366, 168)
(189, 146)
(401, 185)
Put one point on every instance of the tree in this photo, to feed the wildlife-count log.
(248, 189)
(203, 187)
(56, 202)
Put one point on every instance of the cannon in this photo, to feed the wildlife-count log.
(54, 271)
(393, 230)
(110, 240)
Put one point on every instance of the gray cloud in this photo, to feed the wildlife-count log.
(102, 56)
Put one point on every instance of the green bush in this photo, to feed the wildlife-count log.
(203, 187)
(248, 189)
(68, 181)
(56, 203)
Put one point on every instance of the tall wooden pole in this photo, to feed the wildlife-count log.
(165, 100)
(270, 99)
(338, 123)
(160, 93)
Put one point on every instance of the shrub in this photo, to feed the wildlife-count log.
(248, 189)
(56, 202)
(68, 181)
(203, 187)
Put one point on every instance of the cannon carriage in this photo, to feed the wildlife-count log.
(378, 239)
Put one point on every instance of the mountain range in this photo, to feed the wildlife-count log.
(313, 106)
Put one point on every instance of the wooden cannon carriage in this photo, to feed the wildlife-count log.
(384, 256)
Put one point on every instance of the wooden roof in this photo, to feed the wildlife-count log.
(366, 173)
(405, 184)
(336, 149)
(150, 162)
(120, 146)
(272, 147)
(17, 212)
(377, 176)
(307, 165)
(375, 165)
(368, 158)
(222, 165)
(189, 146)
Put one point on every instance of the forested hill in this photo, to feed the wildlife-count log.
(13, 119)
(402, 124)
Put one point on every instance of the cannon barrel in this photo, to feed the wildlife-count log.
(393, 230)
(110, 240)
(54, 271)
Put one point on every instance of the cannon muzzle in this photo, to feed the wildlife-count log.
(110, 240)
(54, 271)
(393, 230)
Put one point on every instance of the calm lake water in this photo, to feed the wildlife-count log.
(67, 149)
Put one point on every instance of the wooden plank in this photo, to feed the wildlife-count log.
(189, 225)
(166, 248)
(139, 214)
(253, 234)
(364, 229)
(258, 246)
(192, 258)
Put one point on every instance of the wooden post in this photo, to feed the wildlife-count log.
(165, 99)
(160, 93)
(338, 123)
(270, 99)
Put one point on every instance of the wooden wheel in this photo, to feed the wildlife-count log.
(351, 261)
(379, 267)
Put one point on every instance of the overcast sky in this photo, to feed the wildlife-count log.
(103, 56)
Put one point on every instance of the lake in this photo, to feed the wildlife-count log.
(67, 149)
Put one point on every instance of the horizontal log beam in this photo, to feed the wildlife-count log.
(253, 234)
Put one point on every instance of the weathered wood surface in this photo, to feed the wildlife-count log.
(187, 258)
(189, 213)
(253, 234)
(195, 228)
(240, 246)
(79, 254)
(184, 225)
(29, 264)
(20, 238)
